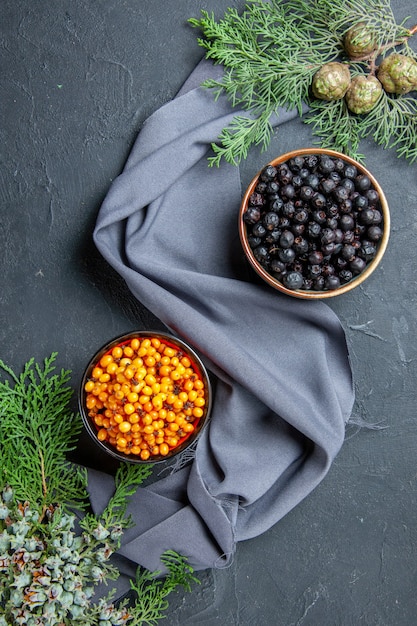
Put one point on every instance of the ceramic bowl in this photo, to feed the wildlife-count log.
(123, 424)
(308, 292)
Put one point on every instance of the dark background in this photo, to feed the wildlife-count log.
(78, 79)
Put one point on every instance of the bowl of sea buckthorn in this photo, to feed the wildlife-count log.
(145, 397)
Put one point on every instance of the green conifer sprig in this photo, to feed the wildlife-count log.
(270, 53)
(49, 568)
(37, 431)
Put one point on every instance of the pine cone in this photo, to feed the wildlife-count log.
(359, 41)
(363, 94)
(331, 81)
(398, 73)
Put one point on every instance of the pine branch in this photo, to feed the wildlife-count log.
(128, 478)
(37, 430)
(270, 54)
(48, 572)
(151, 593)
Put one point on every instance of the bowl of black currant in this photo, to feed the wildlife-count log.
(314, 223)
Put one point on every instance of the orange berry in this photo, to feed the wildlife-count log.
(106, 360)
(134, 344)
(163, 449)
(117, 352)
(102, 434)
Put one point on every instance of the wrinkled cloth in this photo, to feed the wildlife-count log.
(283, 390)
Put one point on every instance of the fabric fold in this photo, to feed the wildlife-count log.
(283, 392)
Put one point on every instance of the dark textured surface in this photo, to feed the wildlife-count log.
(78, 80)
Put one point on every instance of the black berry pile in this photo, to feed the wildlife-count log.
(314, 222)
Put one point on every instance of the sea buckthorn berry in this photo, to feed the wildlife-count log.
(117, 352)
(90, 402)
(163, 449)
(102, 434)
(157, 402)
(164, 370)
(89, 386)
(134, 344)
(150, 380)
(170, 416)
(146, 419)
(97, 372)
(129, 373)
(106, 360)
(188, 385)
(134, 418)
(144, 397)
(180, 369)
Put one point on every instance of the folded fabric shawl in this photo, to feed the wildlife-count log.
(283, 389)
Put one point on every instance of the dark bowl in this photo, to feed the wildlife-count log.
(308, 293)
(104, 396)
